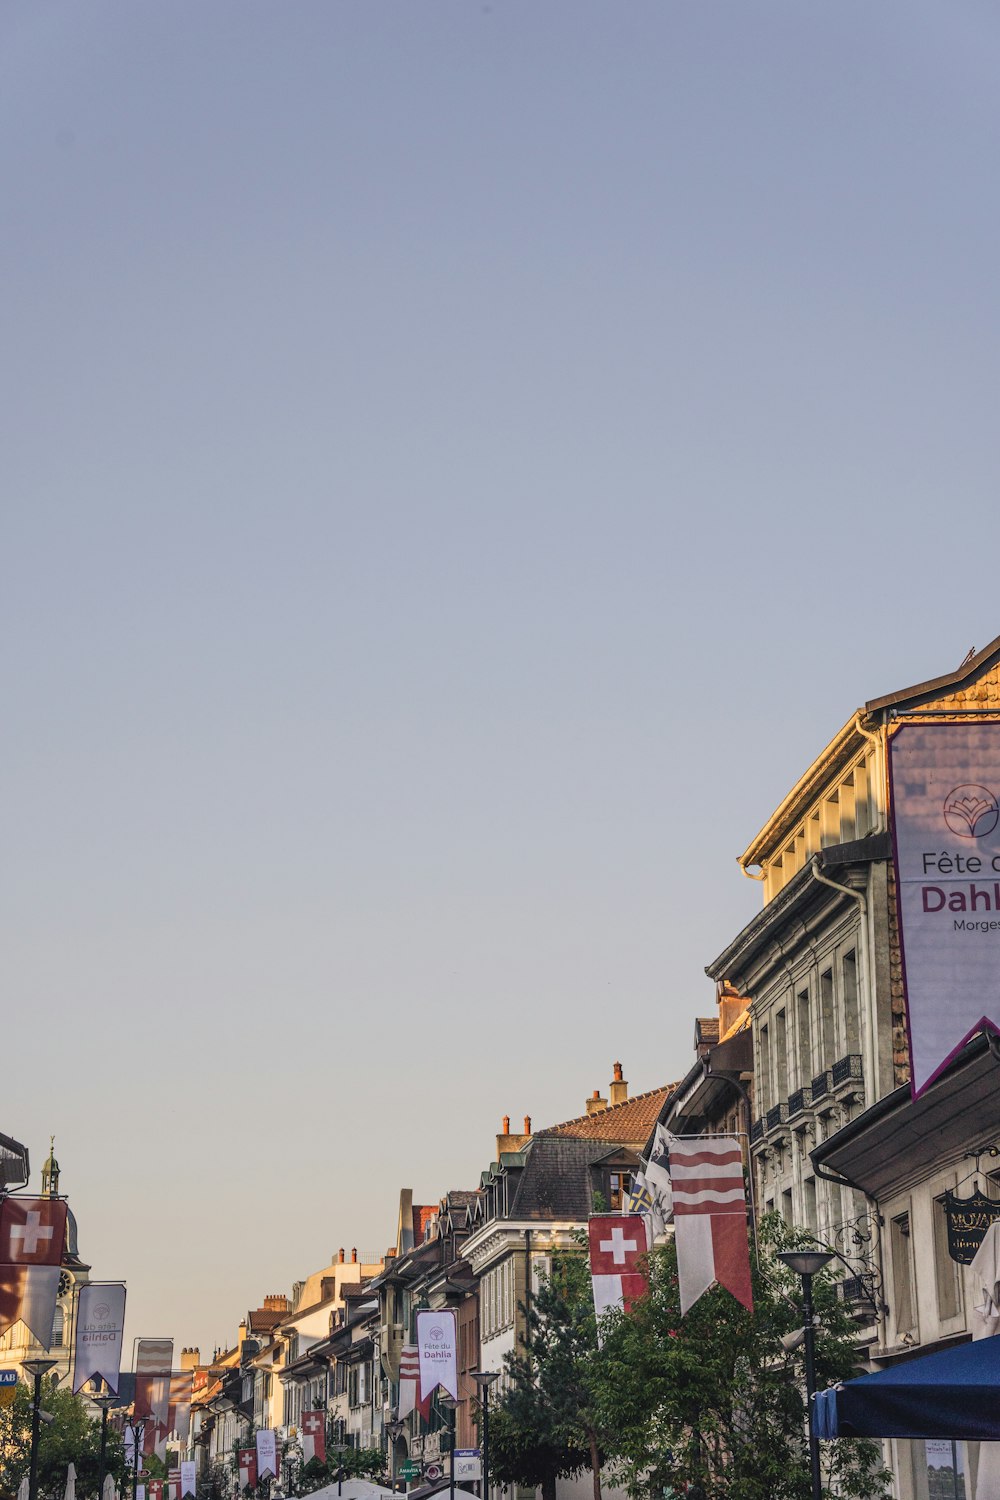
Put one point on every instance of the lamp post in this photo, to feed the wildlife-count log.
(484, 1379)
(138, 1426)
(36, 1368)
(807, 1264)
(339, 1449)
(451, 1403)
(393, 1427)
(105, 1402)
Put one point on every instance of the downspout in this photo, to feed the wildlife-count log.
(869, 1056)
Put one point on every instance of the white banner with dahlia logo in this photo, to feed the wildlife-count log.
(100, 1324)
(437, 1351)
(944, 782)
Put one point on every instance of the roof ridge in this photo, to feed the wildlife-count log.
(600, 1114)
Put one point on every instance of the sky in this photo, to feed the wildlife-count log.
(461, 462)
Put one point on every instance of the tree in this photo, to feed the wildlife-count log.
(72, 1437)
(546, 1424)
(713, 1403)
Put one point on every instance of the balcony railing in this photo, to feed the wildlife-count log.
(847, 1070)
(777, 1115)
(756, 1132)
(800, 1100)
(822, 1085)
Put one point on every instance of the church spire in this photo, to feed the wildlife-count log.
(50, 1172)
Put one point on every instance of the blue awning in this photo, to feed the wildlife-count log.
(952, 1394)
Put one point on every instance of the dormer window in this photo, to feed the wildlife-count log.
(619, 1188)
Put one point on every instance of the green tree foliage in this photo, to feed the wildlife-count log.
(73, 1437)
(713, 1403)
(710, 1404)
(547, 1423)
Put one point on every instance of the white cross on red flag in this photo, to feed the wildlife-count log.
(710, 1217)
(618, 1247)
(313, 1436)
(32, 1231)
(248, 1468)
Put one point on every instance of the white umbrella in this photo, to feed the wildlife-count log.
(70, 1493)
(109, 1492)
(22, 1489)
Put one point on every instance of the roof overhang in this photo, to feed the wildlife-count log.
(901, 1140)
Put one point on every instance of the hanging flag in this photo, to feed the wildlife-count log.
(639, 1200)
(179, 1411)
(710, 1217)
(32, 1231)
(657, 1179)
(437, 1351)
(188, 1485)
(267, 1459)
(248, 1468)
(618, 1245)
(28, 1294)
(313, 1436)
(409, 1374)
(100, 1325)
(156, 1489)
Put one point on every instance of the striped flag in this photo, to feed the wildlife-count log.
(409, 1373)
(710, 1216)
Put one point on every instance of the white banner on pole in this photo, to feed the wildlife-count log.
(945, 798)
(188, 1485)
(100, 1325)
(437, 1350)
(267, 1459)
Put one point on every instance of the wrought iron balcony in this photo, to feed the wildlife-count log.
(756, 1132)
(800, 1100)
(822, 1085)
(777, 1115)
(847, 1070)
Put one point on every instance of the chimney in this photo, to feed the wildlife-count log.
(276, 1302)
(527, 1124)
(595, 1104)
(190, 1358)
(354, 1256)
(508, 1142)
(340, 1255)
(618, 1092)
(505, 1125)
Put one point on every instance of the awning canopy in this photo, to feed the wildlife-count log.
(952, 1394)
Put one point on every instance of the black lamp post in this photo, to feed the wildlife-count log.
(393, 1427)
(339, 1449)
(451, 1403)
(807, 1264)
(484, 1379)
(138, 1426)
(36, 1368)
(105, 1402)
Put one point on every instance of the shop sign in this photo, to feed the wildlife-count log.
(968, 1220)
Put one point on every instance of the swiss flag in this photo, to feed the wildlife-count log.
(313, 1436)
(32, 1231)
(618, 1244)
(248, 1468)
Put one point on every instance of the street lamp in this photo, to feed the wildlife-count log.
(105, 1402)
(36, 1368)
(138, 1427)
(807, 1264)
(484, 1379)
(340, 1449)
(451, 1403)
(393, 1427)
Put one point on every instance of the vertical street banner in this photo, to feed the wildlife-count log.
(710, 1217)
(179, 1411)
(247, 1461)
(131, 1440)
(28, 1294)
(437, 1351)
(267, 1458)
(409, 1374)
(155, 1489)
(188, 1485)
(618, 1249)
(100, 1327)
(944, 793)
(313, 1436)
(32, 1239)
(153, 1359)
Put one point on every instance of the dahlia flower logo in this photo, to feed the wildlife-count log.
(971, 811)
(437, 1332)
(102, 1312)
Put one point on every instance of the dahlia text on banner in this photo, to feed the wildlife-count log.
(100, 1325)
(945, 797)
(710, 1217)
(437, 1351)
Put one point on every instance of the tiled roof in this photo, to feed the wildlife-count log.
(629, 1123)
(263, 1319)
(706, 1031)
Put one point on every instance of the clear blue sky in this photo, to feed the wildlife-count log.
(460, 463)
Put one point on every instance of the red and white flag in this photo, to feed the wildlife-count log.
(618, 1246)
(32, 1231)
(28, 1294)
(248, 1468)
(313, 1436)
(710, 1217)
(409, 1384)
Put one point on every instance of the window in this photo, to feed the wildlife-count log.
(58, 1328)
(902, 1273)
(781, 1054)
(849, 968)
(765, 1071)
(828, 1020)
(945, 1269)
(786, 1206)
(619, 1185)
(809, 1201)
(804, 1021)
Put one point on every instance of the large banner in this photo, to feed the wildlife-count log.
(267, 1458)
(248, 1468)
(945, 797)
(188, 1485)
(153, 1359)
(710, 1217)
(437, 1351)
(100, 1325)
